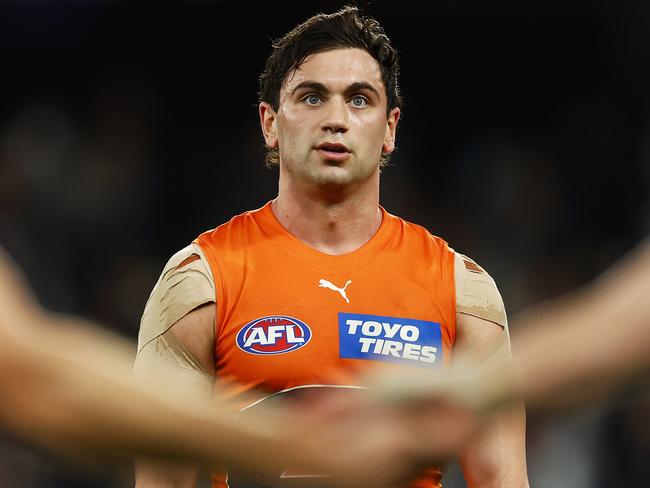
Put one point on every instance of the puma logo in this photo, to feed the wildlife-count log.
(327, 284)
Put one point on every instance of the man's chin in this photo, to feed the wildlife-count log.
(333, 175)
(334, 179)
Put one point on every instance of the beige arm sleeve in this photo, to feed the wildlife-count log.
(185, 283)
(477, 296)
(477, 293)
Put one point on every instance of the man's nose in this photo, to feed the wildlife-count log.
(336, 116)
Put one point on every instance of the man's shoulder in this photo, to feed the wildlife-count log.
(419, 231)
(234, 224)
(185, 283)
(477, 293)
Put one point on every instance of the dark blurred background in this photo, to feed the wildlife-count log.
(127, 128)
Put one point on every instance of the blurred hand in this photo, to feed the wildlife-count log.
(357, 442)
(442, 411)
(382, 436)
(337, 438)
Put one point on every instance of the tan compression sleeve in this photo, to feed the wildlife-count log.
(185, 283)
(477, 293)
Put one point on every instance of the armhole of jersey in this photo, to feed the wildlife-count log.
(458, 278)
(217, 277)
(454, 262)
(165, 306)
(217, 286)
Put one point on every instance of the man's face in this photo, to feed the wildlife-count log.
(331, 125)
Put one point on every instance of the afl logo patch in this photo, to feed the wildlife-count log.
(275, 334)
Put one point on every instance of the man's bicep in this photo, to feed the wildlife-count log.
(178, 359)
(479, 339)
(175, 349)
(191, 340)
(182, 357)
(497, 456)
(176, 334)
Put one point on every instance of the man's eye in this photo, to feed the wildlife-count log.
(312, 99)
(359, 101)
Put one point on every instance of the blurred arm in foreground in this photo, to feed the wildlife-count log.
(66, 385)
(569, 352)
(585, 346)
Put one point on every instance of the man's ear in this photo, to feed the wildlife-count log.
(391, 131)
(268, 119)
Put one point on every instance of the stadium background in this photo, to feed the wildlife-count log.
(128, 128)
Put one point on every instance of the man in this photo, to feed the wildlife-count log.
(322, 284)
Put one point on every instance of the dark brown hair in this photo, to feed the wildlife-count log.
(346, 28)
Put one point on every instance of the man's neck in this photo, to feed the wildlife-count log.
(333, 227)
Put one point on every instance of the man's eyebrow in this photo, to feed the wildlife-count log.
(319, 87)
(313, 85)
(360, 86)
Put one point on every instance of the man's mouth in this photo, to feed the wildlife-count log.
(333, 147)
(333, 151)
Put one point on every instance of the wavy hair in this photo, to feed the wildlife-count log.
(346, 28)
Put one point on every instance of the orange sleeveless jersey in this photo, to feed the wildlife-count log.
(289, 315)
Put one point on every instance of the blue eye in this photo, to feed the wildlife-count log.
(359, 101)
(312, 99)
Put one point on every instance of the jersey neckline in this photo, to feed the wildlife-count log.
(341, 263)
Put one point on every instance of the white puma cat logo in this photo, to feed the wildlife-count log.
(327, 284)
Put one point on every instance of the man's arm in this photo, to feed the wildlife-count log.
(192, 334)
(496, 455)
(176, 343)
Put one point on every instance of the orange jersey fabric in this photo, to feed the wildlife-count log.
(289, 315)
